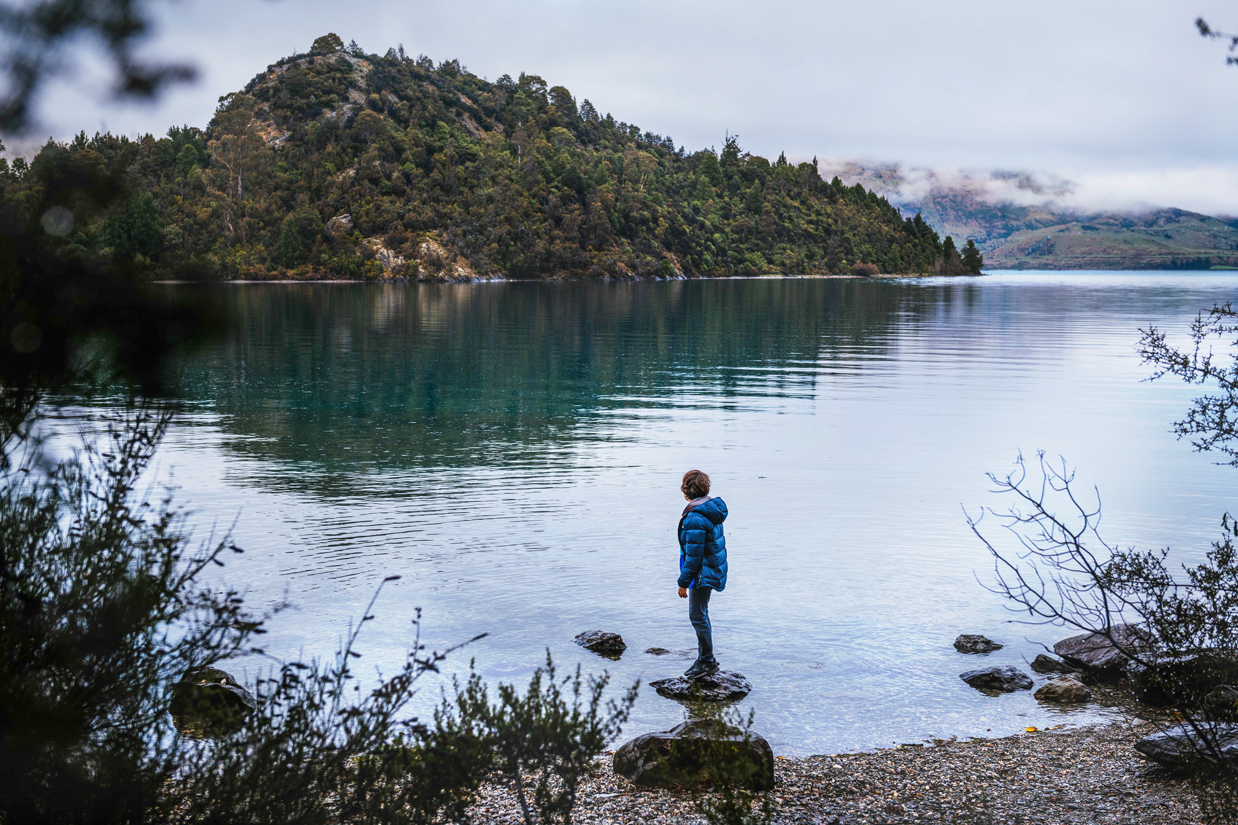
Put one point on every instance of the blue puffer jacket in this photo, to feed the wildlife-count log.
(702, 547)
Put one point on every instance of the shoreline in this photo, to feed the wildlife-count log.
(385, 281)
(1089, 774)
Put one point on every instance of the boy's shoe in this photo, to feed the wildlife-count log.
(701, 669)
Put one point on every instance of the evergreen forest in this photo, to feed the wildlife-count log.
(342, 164)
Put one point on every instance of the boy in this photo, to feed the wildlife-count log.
(702, 563)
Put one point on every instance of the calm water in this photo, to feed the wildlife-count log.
(514, 452)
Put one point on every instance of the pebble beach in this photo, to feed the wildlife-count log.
(1077, 775)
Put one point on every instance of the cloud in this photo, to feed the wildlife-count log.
(1211, 190)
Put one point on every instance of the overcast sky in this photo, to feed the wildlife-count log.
(1122, 96)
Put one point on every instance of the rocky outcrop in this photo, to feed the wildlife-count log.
(722, 686)
(436, 263)
(1098, 654)
(679, 757)
(975, 643)
(1181, 745)
(606, 644)
(337, 228)
(1047, 664)
(392, 263)
(1065, 690)
(209, 703)
(998, 679)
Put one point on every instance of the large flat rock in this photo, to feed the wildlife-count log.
(998, 679)
(1181, 745)
(1102, 655)
(723, 686)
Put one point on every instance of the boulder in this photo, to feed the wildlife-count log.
(1065, 690)
(610, 645)
(998, 679)
(1180, 745)
(1222, 703)
(1096, 654)
(1183, 680)
(975, 643)
(208, 703)
(678, 757)
(337, 228)
(1047, 664)
(723, 686)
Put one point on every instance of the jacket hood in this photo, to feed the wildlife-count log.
(714, 510)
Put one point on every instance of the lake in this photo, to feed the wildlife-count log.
(514, 451)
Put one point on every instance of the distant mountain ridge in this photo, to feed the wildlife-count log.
(1019, 222)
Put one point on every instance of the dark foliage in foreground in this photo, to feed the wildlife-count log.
(1062, 571)
(103, 609)
(346, 164)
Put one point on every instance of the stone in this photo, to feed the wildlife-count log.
(677, 758)
(722, 686)
(1047, 664)
(998, 679)
(661, 651)
(1183, 680)
(975, 643)
(1096, 654)
(208, 703)
(338, 227)
(610, 645)
(1222, 703)
(1064, 690)
(1180, 745)
(388, 260)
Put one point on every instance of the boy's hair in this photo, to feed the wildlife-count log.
(695, 484)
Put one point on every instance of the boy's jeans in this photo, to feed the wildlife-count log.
(698, 614)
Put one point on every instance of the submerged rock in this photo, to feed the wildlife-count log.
(678, 757)
(606, 644)
(208, 703)
(1099, 656)
(1047, 664)
(975, 643)
(998, 679)
(723, 686)
(1180, 745)
(1065, 690)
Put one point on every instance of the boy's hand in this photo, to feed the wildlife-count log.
(683, 592)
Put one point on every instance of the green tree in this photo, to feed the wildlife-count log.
(297, 235)
(327, 44)
(973, 261)
(136, 229)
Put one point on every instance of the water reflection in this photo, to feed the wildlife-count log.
(514, 450)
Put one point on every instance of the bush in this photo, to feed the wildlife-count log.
(865, 270)
(101, 613)
(538, 737)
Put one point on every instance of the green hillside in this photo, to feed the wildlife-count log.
(341, 164)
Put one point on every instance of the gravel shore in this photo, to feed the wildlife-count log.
(1080, 775)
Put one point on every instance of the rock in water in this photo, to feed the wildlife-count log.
(606, 644)
(975, 643)
(1065, 690)
(998, 679)
(1047, 664)
(723, 686)
(1098, 655)
(677, 758)
(208, 703)
(1181, 746)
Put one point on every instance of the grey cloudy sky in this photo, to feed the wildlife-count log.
(1122, 96)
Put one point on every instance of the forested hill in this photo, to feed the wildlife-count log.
(341, 164)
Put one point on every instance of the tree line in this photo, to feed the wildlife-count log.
(339, 163)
